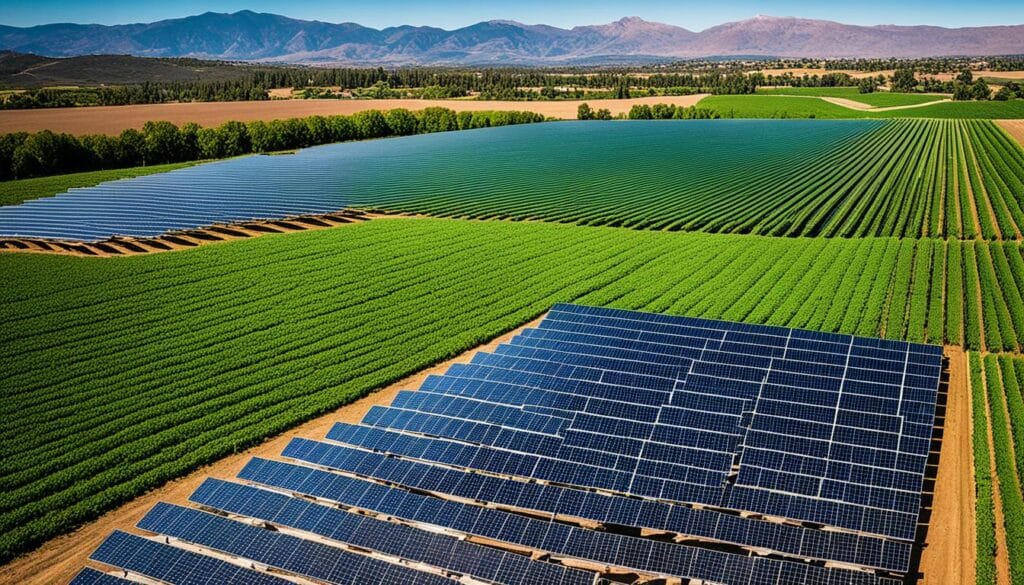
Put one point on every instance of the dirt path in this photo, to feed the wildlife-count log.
(60, 559)
(1015, 128)
(855, 105)
(114, 119)
(950, 545)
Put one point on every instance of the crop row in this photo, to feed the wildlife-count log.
(984, 506)
(958, 179)
(1006, 419)
(123, 374)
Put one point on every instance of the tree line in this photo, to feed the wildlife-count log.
(24, 155)
(649, 112)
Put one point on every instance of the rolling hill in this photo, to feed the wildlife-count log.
(252, 36)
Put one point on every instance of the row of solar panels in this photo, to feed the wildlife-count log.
(645, 422)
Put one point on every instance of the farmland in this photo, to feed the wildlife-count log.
(999, 464)
(788, 106)
(904, 178)
(95, 422)
(114, 119)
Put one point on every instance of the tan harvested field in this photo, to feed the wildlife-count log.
(58, 560)
(114, 119)
(949, 552)
(1014, 128)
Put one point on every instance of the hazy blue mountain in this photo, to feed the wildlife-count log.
(248, 35)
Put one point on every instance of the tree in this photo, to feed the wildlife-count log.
(603, 114)
(133, 148)
(583, 112)
(1003, 94)
(438, 120)
(903, 80)
(961, 91)
(8, 144)
(234, 139)
(980, 90)
(262, 137)
(965, 76)
(370, 124)
(402, 122)
(162, 142)
(641, 112)
(189, 134)
(208, 140)
(866, 85)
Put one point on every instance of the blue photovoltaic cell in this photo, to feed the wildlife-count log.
(290, 553)
(656, 412)
(403, 541)
(174, 565)
(560, 539)
(89, 576)
(801, 542)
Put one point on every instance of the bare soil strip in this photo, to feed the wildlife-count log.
(950, 548)
(187, 239)
(60, 559)
(1015, 128)
(114, 119)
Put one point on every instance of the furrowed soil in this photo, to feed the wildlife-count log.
(113, 119)
(60, 559)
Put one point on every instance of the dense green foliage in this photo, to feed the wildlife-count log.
(24, 155)
(908, 178)
(670, 112)
(1009, 475)
(984, 506)
(125, 373)
(779, 106)
(14, 192)
(878, 99)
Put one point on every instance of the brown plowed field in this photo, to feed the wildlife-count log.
(114, 119)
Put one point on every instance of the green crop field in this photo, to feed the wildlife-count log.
(910, 178)
(996, 384)
(782, 106)
(878, 99)
(125, 373)
(120, 374)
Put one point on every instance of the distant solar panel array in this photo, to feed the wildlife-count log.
(761, 455)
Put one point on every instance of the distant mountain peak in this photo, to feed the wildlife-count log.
(256, 36)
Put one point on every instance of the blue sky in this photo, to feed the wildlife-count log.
(453, 14)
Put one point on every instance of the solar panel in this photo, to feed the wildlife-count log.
(174, 565)
(736, 442)
(89, 576)
(386, 537)
(283, 551)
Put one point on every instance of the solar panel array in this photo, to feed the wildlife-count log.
(763, 455)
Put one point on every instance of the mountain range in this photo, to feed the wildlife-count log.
(252, 36)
